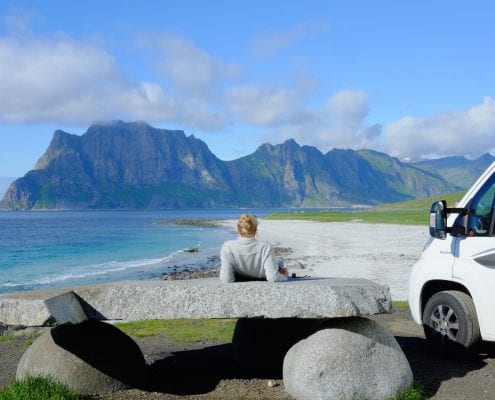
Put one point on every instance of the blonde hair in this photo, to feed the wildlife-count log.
(247, 225)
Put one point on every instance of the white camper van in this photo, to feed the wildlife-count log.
(452, 286)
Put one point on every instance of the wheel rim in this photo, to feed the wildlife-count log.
(444, 320)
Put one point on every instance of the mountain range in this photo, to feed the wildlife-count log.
(121, 165)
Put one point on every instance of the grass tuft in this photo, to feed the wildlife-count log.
(39, 388)
(6, 338)
(182, 330)
(415, 392)
(9, 338)
(401, 304)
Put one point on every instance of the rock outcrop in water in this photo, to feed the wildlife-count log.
(135, 166)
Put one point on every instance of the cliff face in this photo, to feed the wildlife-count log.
(287, 174)
(121, 165)
(132, 165)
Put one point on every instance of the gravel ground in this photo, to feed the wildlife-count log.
(207, 371)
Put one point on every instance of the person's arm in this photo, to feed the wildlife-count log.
(226, 267)
(271, 268)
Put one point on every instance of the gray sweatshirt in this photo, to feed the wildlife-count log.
(248, 258)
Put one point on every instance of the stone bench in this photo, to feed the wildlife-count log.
(310, 328)
(205, 298)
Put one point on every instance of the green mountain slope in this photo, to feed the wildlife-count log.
(457, 170)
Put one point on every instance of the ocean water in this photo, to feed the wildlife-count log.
(40, 250)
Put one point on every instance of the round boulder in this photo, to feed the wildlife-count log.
(349, 358)
(92, 356)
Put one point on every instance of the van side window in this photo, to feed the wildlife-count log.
(481, 210)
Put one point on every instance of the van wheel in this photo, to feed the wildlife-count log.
(450, 321)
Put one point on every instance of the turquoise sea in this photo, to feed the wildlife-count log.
(41, 250)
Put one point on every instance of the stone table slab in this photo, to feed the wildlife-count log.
(207, 298)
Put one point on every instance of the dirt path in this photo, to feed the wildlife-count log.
(442, 377)
(207, 371)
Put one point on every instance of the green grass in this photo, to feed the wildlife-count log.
(30, 340)
(413, 212)
(401, 304)
(9, 338)
(403, 217)
(182, 330)
(415, 392)
(39, 388)
(422, 204)
(6, 338)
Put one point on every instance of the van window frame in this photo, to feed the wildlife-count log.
(488, 186)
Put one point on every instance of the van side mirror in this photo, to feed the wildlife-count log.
(438, 220)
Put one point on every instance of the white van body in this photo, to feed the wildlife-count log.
(461, 265)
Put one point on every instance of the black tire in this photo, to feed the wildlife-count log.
(450, 322)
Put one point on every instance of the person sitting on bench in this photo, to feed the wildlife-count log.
(248, 258)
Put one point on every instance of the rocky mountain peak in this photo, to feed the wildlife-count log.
(133, 165)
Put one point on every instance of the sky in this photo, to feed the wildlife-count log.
(409, 78)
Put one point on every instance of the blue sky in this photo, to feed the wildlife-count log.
(413, 79)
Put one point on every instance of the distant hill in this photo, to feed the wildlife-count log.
(457, 170)
(122, 165)
(4, 184)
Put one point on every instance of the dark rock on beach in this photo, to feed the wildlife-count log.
(208, 223)
(209, 269)
(190, 250)
(202, 272)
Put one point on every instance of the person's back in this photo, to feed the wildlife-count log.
(247, 258)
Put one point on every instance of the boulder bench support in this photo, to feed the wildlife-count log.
(313, 329)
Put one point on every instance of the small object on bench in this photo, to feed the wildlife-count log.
(294, 276)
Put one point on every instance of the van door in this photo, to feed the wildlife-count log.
(474, 257)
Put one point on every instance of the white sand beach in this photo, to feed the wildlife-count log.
(380, 252)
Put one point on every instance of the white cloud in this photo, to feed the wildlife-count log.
(348, 106)
(270, 43)
(61, 80)
(260, 105)
(339, 123)
(58, 79)
(192, 69)
(469, 132)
